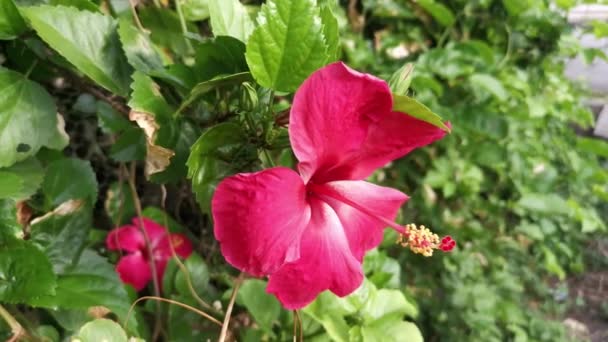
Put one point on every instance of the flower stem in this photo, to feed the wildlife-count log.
(138, 210)
(15, 326)
(182, 24)
(268, 157)
(237, 284)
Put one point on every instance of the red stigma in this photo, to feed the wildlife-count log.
(447, 244)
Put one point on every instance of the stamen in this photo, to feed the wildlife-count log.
(420, 240)
(423, 241)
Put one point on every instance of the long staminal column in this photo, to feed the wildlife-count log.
(420, 240)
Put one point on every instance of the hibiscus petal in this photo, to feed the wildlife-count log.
(134, 270)
(363, 231)
(331, 115)
(259, 218)
(181, 245)
(326, 262)
(393, 137)
(154, 230)
(127, 238)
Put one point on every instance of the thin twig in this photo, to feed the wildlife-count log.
(182, 24)
(138, 210)
(177, 260)
(235, 290)
(170, 301)
(15, 326)
(299, 320)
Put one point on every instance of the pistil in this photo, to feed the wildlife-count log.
(420, 240)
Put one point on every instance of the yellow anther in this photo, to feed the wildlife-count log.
(419, 240)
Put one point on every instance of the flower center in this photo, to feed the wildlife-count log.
(420, 240)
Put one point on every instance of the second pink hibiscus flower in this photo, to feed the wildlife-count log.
(134, 268)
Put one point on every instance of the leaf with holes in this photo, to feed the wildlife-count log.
(28, 119)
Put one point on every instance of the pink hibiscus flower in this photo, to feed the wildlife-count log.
(309, 231)
(134, 268)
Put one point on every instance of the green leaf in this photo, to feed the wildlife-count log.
(68, 179)
(21, 180)
(329, 311)
(153, 114)
(146, 97)
(25, 272)
(165, 28)
(439, 11)
(195, 10)
(218, 56)
(119, 203)
(221, 151)
(490, 84)
(516, 7)
(417, 110)
(400, 81)
(87, 40)
(8, 219)
(101, 330)
(138, 48)
(130, 146)
(62, 233)
(288, 45)
(216, 82)
(91, 282)
(331, 31)
(187, 133)
(110, 121)
(28, 119)
(264, 307)
(385, 303)
(159, 216)
(79, 4)
(230, 18)
(544, 203)
(198, 274)
(596, 146)
(391, 331)
(11, 23)
(600, 28)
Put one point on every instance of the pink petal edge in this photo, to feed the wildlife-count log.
(364, 232)
(134, 270)
(259, 219)
(326, 262)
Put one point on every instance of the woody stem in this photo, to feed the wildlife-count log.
(15, 326)
(235, 290)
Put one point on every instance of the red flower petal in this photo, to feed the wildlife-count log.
(342, 126)
(394, 136)
(326, 262)
(181, 245)
(330, 118)
(127, 238)
(363, 231)
(154, 230)
(134, 270)
(259, 219)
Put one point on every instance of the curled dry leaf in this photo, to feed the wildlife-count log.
(98, 311)
(157, 157)
(24, 213)
(63, 209)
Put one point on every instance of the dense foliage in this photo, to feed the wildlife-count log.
(110, 112)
